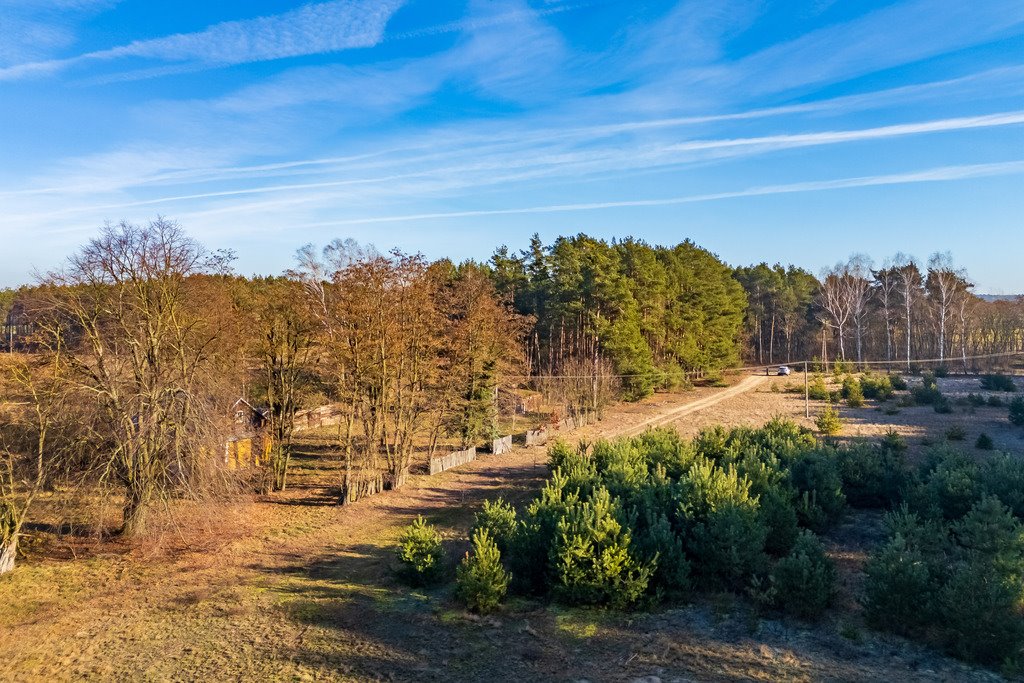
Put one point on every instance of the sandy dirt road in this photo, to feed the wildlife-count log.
(674, 414)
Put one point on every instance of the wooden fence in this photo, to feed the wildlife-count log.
(536, 437)
(441, 463)
(324, 416)
(503, 444)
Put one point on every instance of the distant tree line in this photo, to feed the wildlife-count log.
(898, 313)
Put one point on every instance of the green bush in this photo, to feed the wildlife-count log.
(873, 477)
(1016, 416)
(941, 371)
(877, 387)
(621, 467)
(962, 591)
(984, 442)
(980, 614)
(925, 395)
(728, 546)
(421, 554)
(852, 392)
(956, 433)
(975, 400)
(949, 485)
(650, 517)
(818, 482)
(930, 536)
(666, 448)
(897, 382)
(481, 581)
(780, 519)
(842, 367)
(1002, 475)
(591, 557)
(828, 421)
(804, 582)
(906, 401)
(498, 519)
(998, 382)
(893, 441)
(942, 405)
(658, 545)
(562, 456)
(725, 532)
(898, 588)
(991, 530)
(530, 554)
(995, 402)
(817, 389)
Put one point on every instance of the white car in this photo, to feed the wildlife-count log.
(784, 371)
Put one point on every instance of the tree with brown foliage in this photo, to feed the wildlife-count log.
(280, 331)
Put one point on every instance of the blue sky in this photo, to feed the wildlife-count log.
(780, 131)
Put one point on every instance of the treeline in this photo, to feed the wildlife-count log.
(144, 343)
(145, 353)
(899, 313)
(652, 315)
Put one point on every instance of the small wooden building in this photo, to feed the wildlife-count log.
(247, 444)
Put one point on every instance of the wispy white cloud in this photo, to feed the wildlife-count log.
(898, 34)
(842, 136)
(311, 29)
(510, 53)
(523, 163)
(656, 107)
(390, 88)
(689, 56)
(441, 147)
(33, 29)
(518, 163)
(491, 19)
(939, 174)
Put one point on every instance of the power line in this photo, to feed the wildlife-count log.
(1003, 354)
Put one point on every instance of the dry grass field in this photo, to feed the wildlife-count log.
(294, 587)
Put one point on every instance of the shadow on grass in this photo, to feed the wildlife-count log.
(356, 616)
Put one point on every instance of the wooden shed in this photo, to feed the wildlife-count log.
(247, 444)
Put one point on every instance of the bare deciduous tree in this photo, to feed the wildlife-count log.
(34, 436)
(946, 286)
(125, 319)
(886, 284)
(909, 283)
(857, 282)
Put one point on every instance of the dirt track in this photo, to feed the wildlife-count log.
(746, 384)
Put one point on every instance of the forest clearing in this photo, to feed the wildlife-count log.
(294, 587)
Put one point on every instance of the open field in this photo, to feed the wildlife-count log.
(920, 425)
(296, 588)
